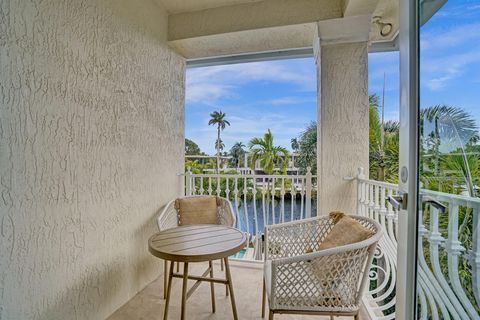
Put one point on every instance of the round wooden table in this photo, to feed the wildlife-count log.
(197, 243)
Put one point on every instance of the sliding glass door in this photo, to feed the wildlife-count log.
(439, 245)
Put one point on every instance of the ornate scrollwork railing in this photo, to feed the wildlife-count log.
(448, 256)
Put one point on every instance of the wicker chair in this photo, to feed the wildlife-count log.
(299, 279)
(169, 219)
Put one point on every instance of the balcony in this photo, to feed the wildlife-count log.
(92, 138)
(282, 198)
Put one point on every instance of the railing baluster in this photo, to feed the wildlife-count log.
(219, 190)
(371, 204)
(188, 183)
(201, 186)
(293, 196)
(273, 200)
(237, 207)
(194, 187)
(475, 254)
(302, 191)
(255, 217)
(245, 210)
(308, 193)
(265, 214)
(454, 249)
(227, 188)
(210, 186)
(376, 208)
(282, 197)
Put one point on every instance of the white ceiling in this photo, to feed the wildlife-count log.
(178, 6)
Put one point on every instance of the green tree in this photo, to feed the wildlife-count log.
(219, 145)
(307, 149)
(383, 148)
(218, 119)
(237, 152)
(191, 148)
(294, 144)
(444, 130)
(268, 154)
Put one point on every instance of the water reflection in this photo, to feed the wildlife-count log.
(291, 209)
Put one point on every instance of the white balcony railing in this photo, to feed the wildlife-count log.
(446, 291)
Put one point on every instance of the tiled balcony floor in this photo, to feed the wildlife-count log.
(247, 282)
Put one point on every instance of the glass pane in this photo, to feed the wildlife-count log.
(449, 246)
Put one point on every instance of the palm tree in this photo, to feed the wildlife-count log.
(384, 146)
(237, 152)
(219, 145)
(295, 144)
(455, 129)
(218, 118)
(268, 154)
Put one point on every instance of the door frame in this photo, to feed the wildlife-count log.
(409, 159)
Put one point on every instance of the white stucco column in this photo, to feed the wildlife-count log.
(342, 142)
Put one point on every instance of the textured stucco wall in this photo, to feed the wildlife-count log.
(342, 144)
(91, 137)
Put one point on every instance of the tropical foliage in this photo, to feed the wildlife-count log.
(219, 145)
(196, 167)
(237, 152)
(191, 148)
(218, 119)
(307, 149)
(383, 148)
(263, 149)
(449, 150)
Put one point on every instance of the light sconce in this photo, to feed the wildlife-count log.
(384, 27)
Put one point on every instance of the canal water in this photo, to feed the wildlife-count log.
(290, 207)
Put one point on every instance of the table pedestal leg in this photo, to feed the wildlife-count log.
(165, 276)
(230, 287)
(212, 287)
(264, 293)
(184, 290)
(169, 290)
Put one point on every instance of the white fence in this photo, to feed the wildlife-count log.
(449, 253)
(445, 290)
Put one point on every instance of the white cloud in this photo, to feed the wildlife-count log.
(291, 100)
(437, 39)
(208, 85)
(438, 72)
(208, 92)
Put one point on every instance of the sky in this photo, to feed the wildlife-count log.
(281, 95)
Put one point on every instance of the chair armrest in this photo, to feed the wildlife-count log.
(168, 218)
(226, 213)
(295, 238)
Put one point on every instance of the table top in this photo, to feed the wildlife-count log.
(196, 243)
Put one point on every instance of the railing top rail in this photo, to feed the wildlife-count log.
(441, 196)
(233, 175)
(379, 183)
(466, 201)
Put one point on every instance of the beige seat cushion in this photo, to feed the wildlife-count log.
(345, 231)
(197, 210)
